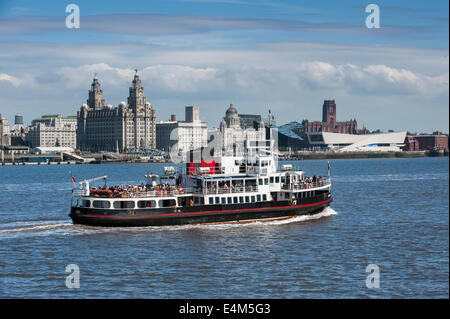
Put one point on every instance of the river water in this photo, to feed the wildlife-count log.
(391, 213)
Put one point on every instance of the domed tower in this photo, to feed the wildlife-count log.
(137, 99)
(232, 117)
(96, 100)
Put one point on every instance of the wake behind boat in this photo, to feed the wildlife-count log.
(223, 189)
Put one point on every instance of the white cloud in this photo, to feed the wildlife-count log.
(10, 79)
(372, 79)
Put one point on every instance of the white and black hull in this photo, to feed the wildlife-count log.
(203, 214)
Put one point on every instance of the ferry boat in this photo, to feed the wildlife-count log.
(226, 189)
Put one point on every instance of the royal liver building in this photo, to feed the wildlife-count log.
(117, 129)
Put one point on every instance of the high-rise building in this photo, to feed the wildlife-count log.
(53, 131)
(125, 127)
(192, 114)
(18, 123)
(5, 137)
(187, 135)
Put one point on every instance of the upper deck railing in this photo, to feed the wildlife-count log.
(307, 185)
(227, 190)
(164, 193)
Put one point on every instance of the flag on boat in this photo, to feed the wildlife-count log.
(73, 178)
(329, 165)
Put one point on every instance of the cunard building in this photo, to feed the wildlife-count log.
(102, 127)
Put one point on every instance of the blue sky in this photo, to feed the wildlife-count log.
(284, 55)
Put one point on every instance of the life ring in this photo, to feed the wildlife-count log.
(294, 202)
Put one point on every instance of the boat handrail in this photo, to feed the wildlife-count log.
(307, 185)
(227, 190)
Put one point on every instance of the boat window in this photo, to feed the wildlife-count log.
(283, 179)
(124, 204)
(258, 198)
(235, 200)
(271, 180)
(211, 200)
(146, 204)
(286, 195)
(241, 199)
(264, 196)
(167, 203)
(253, 199)
(86, 203)
(277, 179)
(260, 181)
(224, 200)
(101, 204)
(229, 200)
(247, 199)
(266, 181)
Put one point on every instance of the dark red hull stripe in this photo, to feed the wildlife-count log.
(211, 211)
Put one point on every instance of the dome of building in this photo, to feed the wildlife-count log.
(231, 110)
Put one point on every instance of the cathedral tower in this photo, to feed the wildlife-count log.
(329, 113)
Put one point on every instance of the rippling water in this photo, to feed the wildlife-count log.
(390, 212)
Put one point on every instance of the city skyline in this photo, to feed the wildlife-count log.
(284, 56)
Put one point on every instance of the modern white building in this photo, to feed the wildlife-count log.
(53, 131)
(182, 136)
(387, 142)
